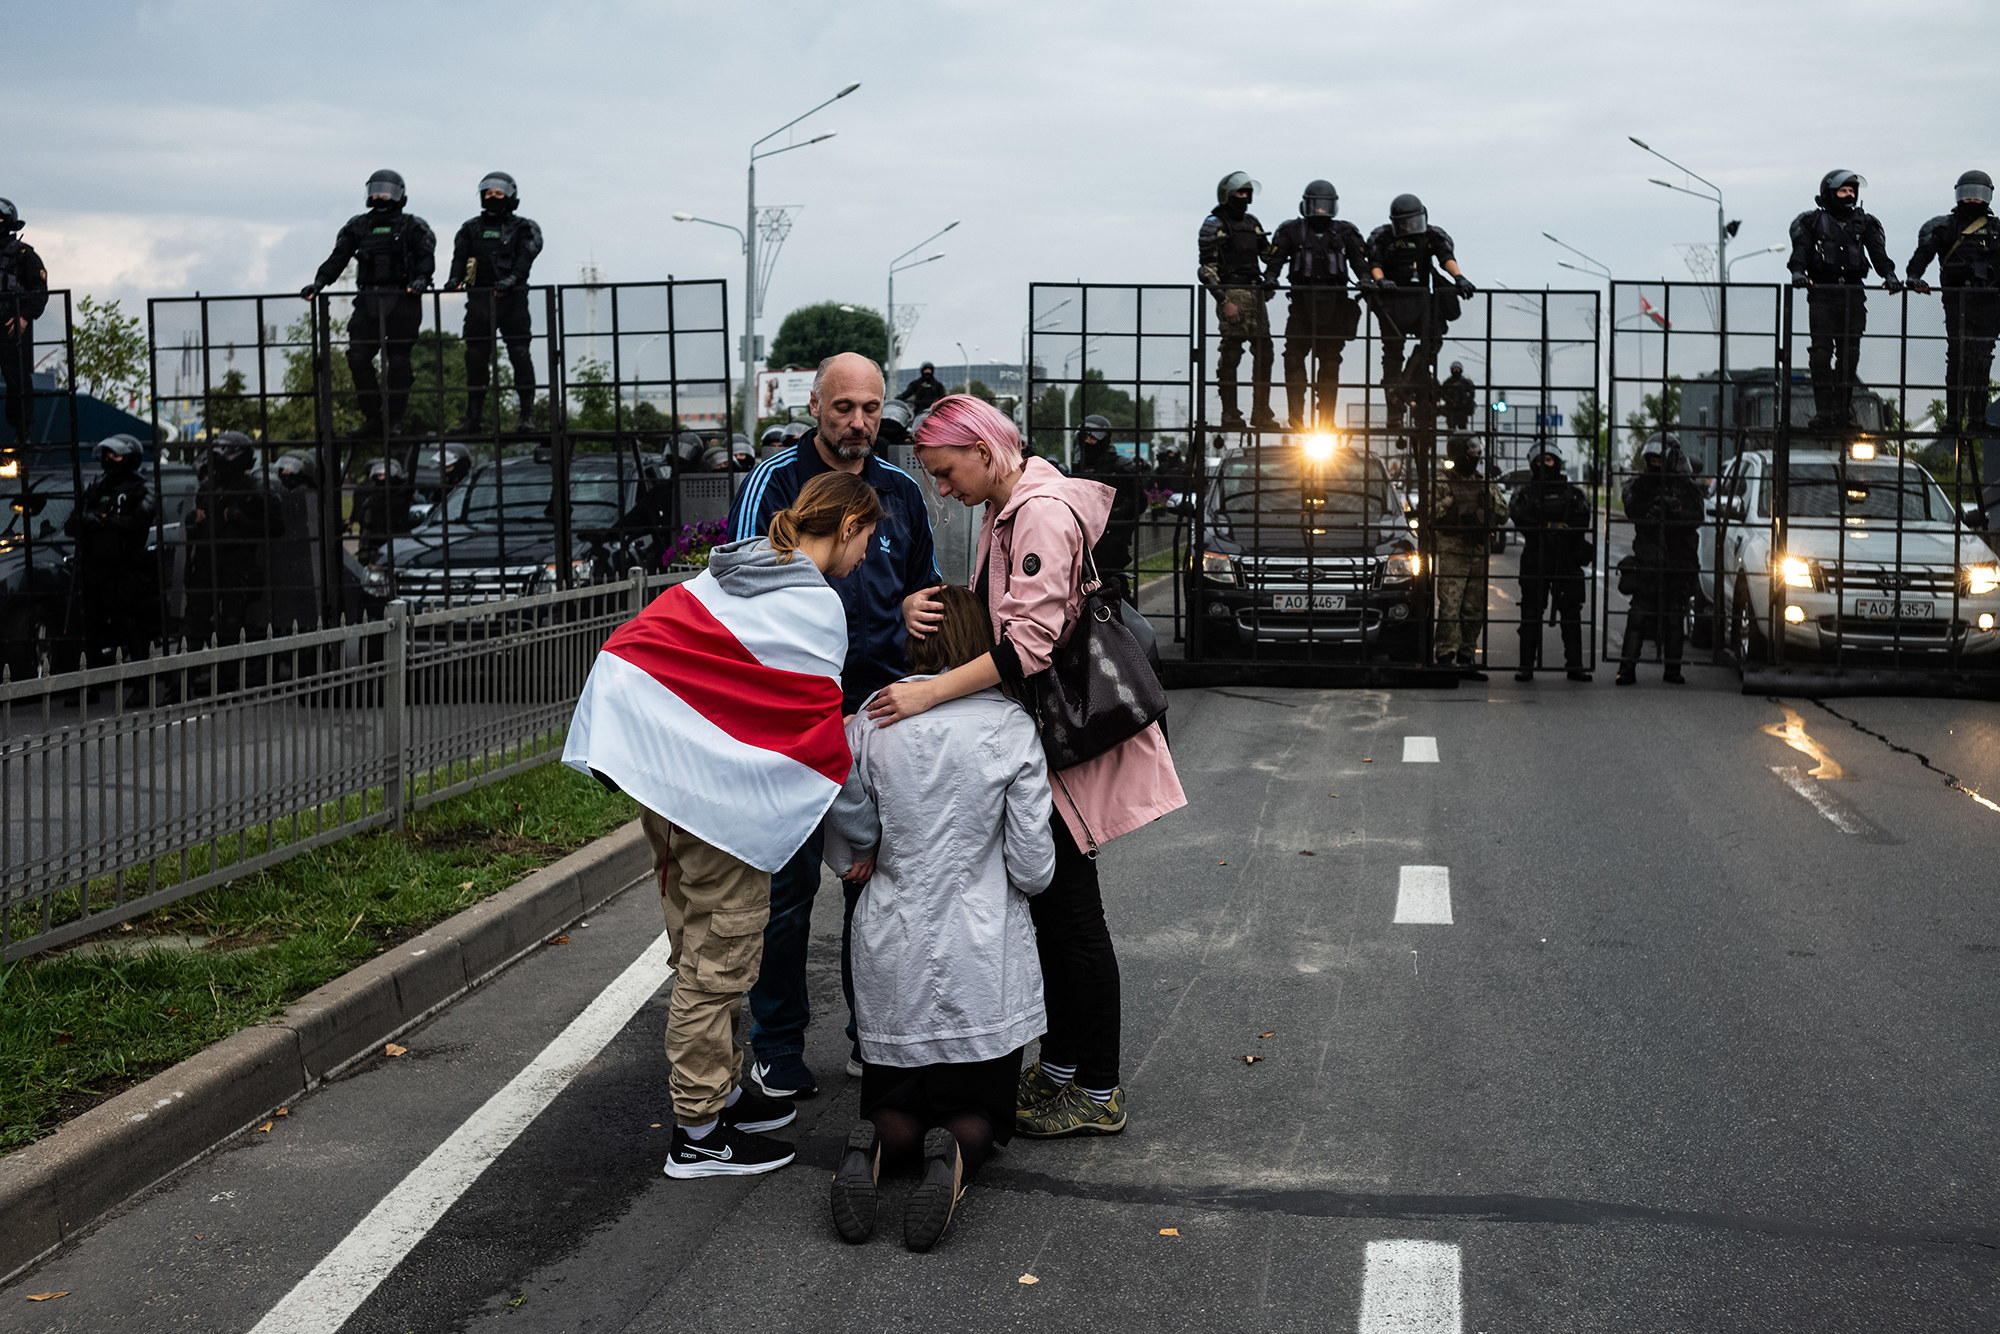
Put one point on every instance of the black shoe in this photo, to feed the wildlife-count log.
(1578, 674)
(1525, 674)
(1674, 678)
(786, 1076)
(757, 1113)
(1626, 677)
(725, 1151)
(466, 426)
(1467, 672)
(855, 1195)
(929, 1211)
(1265, 421)
(1233, 421)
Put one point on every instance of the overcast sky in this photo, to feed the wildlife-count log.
(156, 148)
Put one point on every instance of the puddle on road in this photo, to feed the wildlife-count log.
(1792, 732)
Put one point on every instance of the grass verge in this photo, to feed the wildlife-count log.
(79, 1027)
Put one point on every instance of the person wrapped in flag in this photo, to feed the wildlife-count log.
(717, 709)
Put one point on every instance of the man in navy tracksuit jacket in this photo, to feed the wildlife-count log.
(899, 563)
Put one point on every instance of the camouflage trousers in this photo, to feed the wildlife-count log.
(1461, 604)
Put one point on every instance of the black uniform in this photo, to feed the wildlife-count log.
(922, 392)
(1412, 305)
(1553, 515)
(24, 295)
(381, 512)
(490, 259)
(1459, 397)
(1113, 552)
(1233, 248)
(229, 533)
(397, 254)
(1966, 242)
(1665, 507)
(116, 577)
(1319, 251)
(1834, 253)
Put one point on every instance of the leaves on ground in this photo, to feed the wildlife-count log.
(558, 940)
(1170, 1232)
(45, 1296)
(1273, 1033)
(1307, 852)
(1028, 1279)
(391, 1049)
(1367, 759)
(1252, 1058)
(265, 1129)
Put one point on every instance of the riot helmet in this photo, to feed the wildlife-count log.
(797, 429)
(1975, 187)
(10, 217)
(383, 471)
(1653, 455)
(230, 454)
(1461, 452)
(927, 369)
(1839, 179)
(688, 447)
(1545, 465)
(896, 420)
(1226, 188)
(1458, 368)
(775, 435)
(1408, 215)
(715, 458)
(120, 453)
(296, 469)
(1094, 434)
(446, 466)
(510, 194)
(385, 185)
(1320, 200)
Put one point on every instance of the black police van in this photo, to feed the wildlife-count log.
(1306, 543)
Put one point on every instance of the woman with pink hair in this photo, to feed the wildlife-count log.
(1039, 524)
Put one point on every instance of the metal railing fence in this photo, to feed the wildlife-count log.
(127, 787)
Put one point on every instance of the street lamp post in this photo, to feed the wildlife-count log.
(1754, 254)
(1723, 228)
(1030, 325)
(896, 266)
(966, 386)
(750, 249)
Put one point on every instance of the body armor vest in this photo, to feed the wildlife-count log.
(382, 254)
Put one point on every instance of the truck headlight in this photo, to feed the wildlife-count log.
(1796, 573)
(376, 579)
(1981, 579)
(579, 571)
(1402, 566)
(1218, 565)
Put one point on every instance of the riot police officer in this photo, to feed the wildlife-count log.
(490, 259)
(1464, 510)
(1966, 244)
(771, 441)
(396, 252)
(439, 471)
(1660, 576)
(897, 420)
(1458, 397)
(1233, 249)
(1407, 252)
(1098, 459)
(923, 392)
(1319, 248)
(1833, 247)
(24, 295)
(1553, 517)
(297, 574)
(382, 507)
(229, 531)
(115, 574)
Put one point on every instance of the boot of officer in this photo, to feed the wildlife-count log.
(1233, 248)
(1966, 242)
(1319, 249)
(116, 577)
(395, 254)
(490, 260)
(1833, 247)
(24, 295)
(1553, 517)
(1406, 254)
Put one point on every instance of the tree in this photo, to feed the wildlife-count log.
(109, 361)
(978, 390)
(811, 334)
(1661, 411)
(1114, 405)
(1592, 426)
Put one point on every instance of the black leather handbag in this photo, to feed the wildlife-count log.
(1100, 689)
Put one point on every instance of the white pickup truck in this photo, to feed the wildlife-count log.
(1874, 559)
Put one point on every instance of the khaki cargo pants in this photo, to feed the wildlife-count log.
(716, 907)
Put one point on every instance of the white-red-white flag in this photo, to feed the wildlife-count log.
(722, 714)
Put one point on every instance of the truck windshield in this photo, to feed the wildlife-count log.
(1283, 483)
(524, 496)
(1860, 491)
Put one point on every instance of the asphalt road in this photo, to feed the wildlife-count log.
(1707, 1044)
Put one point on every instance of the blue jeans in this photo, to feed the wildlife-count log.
(779, 1006)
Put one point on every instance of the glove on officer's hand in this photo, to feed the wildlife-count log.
(504, 285)
(1892, 284)
(1919, 286)
(309, 291)
(1465, 287)
(455, 285)
(1367, 285)
(1800, 280)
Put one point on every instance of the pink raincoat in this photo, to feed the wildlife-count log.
(1032, 551)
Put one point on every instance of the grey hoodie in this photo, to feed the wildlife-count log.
(747, 568)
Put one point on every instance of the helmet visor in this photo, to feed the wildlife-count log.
(1412, 223)
(381, 188)
(1971, 191)
(500, 183)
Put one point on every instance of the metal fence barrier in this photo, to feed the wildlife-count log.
(124, 788)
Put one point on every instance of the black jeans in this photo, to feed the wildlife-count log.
(1079, 967)
(1837, 317)
(1317, 328)
(389, 321)
(486, 310)
(1971, 321)
(1537, 590)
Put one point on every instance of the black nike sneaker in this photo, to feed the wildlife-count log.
(725, 1151)
(756, 1113)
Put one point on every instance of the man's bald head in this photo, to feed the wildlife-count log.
(847, 403)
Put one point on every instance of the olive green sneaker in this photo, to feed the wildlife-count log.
(1034, 1089)
(1072, 1112)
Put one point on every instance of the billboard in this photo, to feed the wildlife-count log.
(783, 393)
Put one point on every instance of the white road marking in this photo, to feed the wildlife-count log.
(1836, 815)
(335, 1289)
(1411, 1287)
(1420, 750)
(1423, 895)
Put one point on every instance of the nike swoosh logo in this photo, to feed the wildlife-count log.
(720, 1155)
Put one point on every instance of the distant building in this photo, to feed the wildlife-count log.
(1002, 377)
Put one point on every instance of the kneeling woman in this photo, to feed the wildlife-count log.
(947, 817)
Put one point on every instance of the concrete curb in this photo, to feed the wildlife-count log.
(58, 1186)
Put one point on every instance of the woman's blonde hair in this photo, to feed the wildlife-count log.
(827, 506)
(965, 632)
